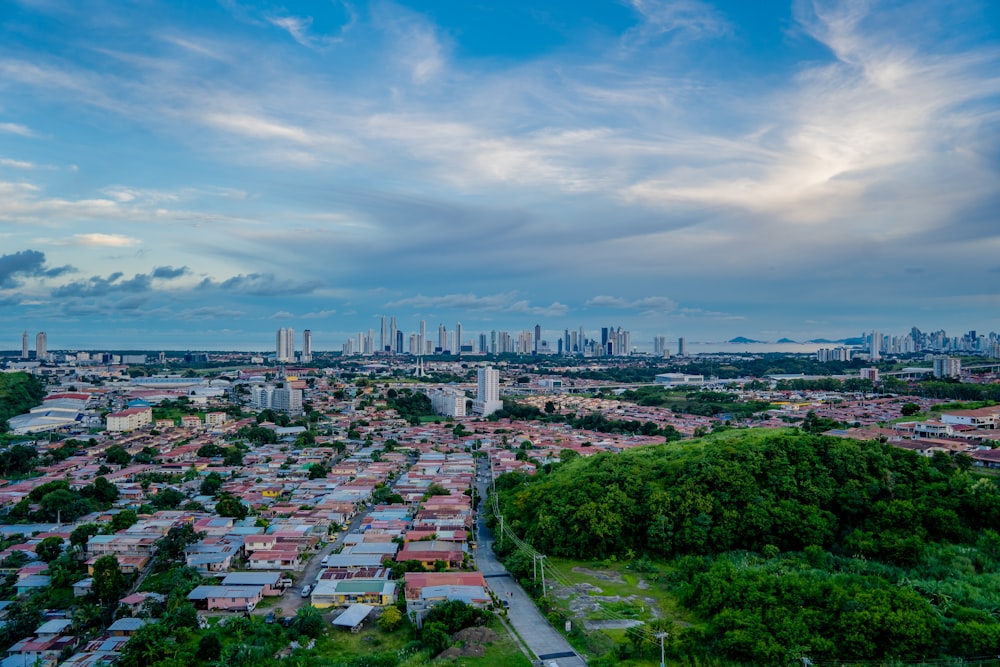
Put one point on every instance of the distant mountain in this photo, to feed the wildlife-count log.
(822, 340)
(787, 340)
(852, 341)
(742, 339)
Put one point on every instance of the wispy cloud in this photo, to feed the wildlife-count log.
(16, 128)
(262, 284)
(97, 240)
(691, 19)
(650, 305)
(505, 302)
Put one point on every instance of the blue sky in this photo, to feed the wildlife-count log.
(190, 174)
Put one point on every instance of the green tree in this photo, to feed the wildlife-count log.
(211, 485)
(116, 455)
(49, 548)
(109, 582)
(390, 619)
(78, 538)
(123, 520)
(909, 409)
(231, 506)
(308, 621)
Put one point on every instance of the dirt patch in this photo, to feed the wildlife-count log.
(603, 575)
(471, 643)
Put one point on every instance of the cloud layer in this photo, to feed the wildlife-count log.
(814, 169)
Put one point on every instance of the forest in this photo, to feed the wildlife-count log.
(783, 539)
(19, 392)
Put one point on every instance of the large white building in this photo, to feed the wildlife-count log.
(130, 419)
(680, 380)
(41, 346)
(947, 367)
(284, 343)
(448, 401)
(488, 392)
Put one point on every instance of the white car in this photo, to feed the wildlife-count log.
(306, 590)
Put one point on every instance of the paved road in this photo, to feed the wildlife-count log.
(292, 600)
(542, 639)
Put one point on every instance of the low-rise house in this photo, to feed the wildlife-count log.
(423, 590)
(226, 598)
(344, 592)
(270, 581)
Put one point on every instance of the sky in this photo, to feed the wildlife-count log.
(190, 174)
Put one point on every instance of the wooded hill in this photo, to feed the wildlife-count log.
(19, 392)
(780, 540)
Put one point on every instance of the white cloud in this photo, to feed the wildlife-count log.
(15, 128)
(650, 305)
(17, 164)
(97, 240)
(687, 18)
(506, 302)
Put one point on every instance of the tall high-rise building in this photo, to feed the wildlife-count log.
(382, 336)
(875, 346)
(442, 337)
(24, 345)
(538, 338)
(458, 339)
(307, 345)
(41, 346)
(422, 340)
(284, 344)
(681, 347)
(393, 346)
(487, 392)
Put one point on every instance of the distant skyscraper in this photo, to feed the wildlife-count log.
(307, 345)
(284, 343)
(487, 392)
(24, 345)
(442, 337)
(538, 337)
(875, 346)
(681, 347)
(421, 341)
(458, 339)
(394, 347)
(41, 346)
(382, 336)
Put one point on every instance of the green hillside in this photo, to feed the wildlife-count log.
(19, 392)
(785, 544)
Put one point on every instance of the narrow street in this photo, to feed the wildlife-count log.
(544, 641)
(291, 601)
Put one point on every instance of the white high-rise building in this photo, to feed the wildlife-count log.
(875, 347)
(947, 367)
(422, 339)
(284, 344)
(442, 338)
(287, 400)
(307, 345)
(24, 345)
(448, 401)
(488, 392)
(41, 346)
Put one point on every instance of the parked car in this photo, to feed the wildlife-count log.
(269, 618)
(306, 590)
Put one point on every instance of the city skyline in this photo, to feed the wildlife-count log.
(200, 175)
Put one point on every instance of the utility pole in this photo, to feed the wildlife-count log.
(661, 636)
(542, 559)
